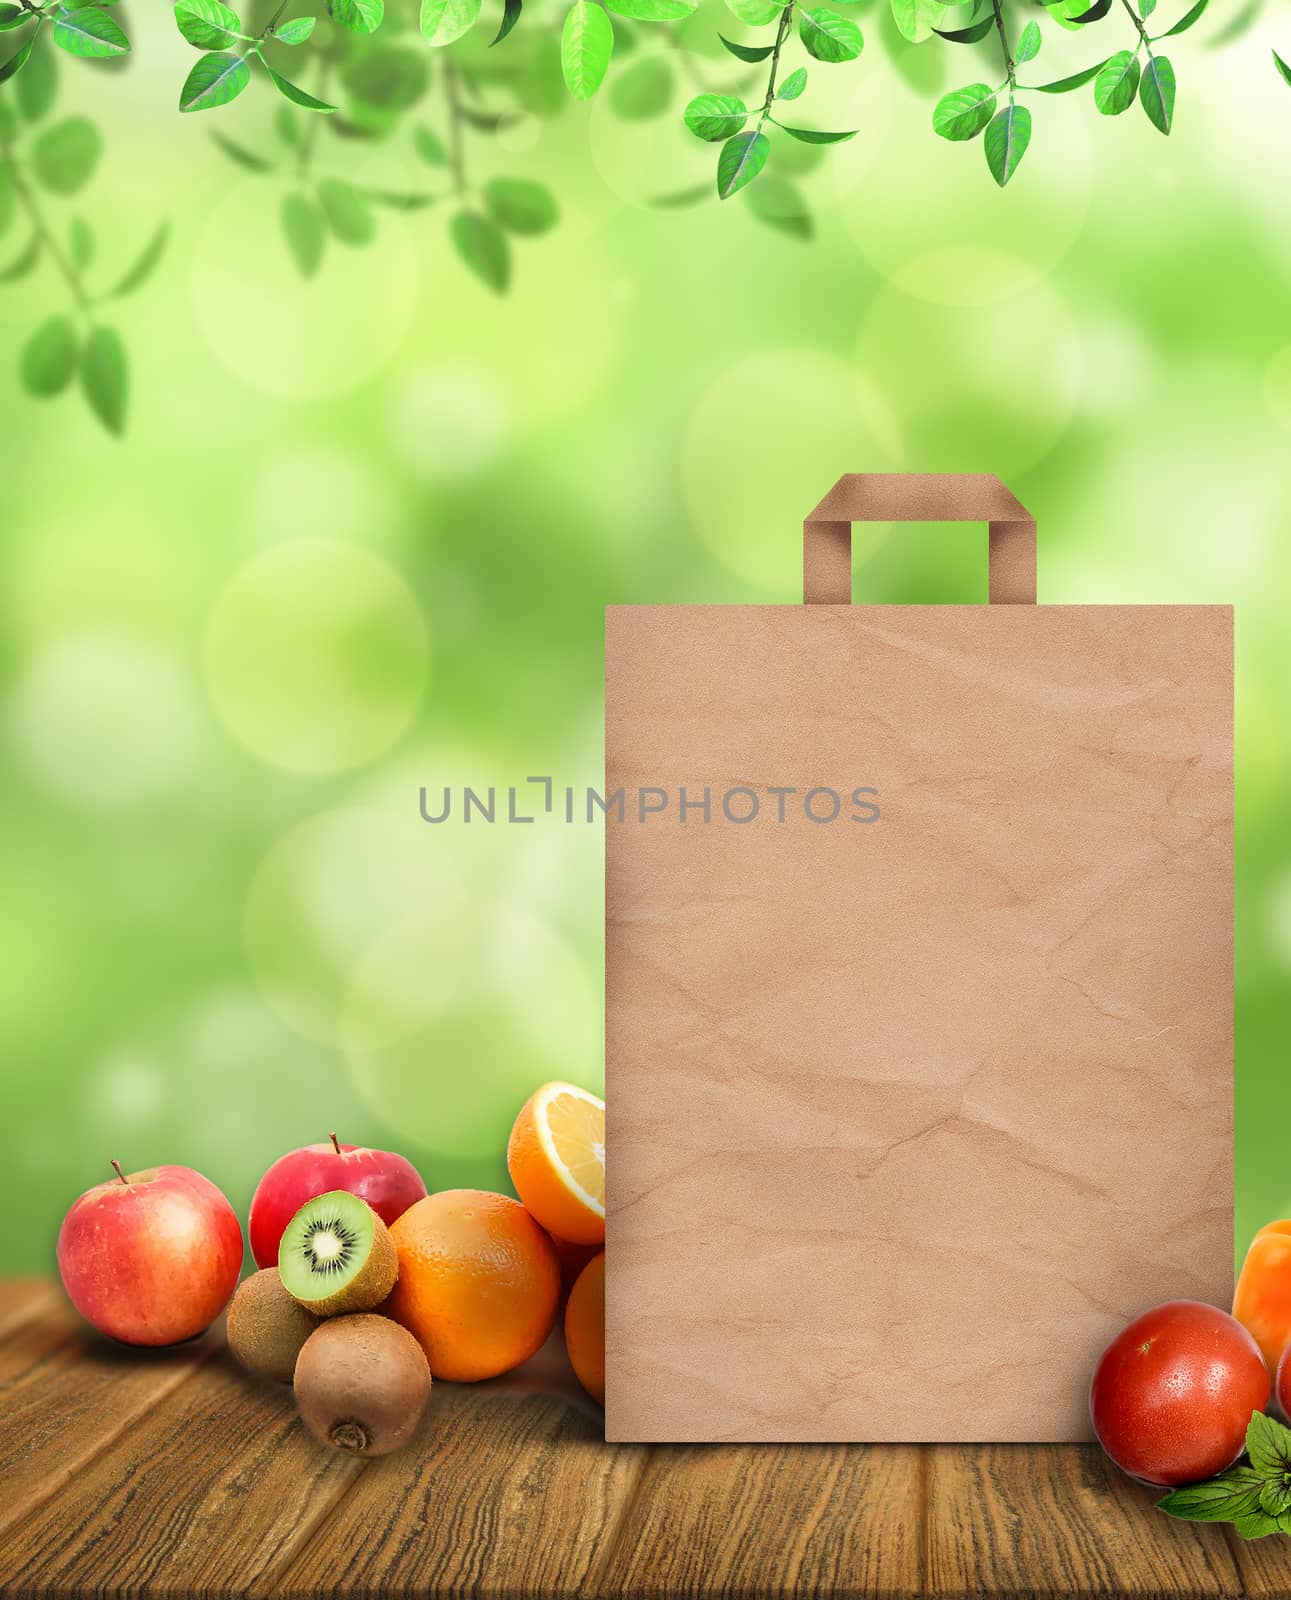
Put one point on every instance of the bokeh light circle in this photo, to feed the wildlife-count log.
(292, 336)
(1277, 388)
(318, 493)
(316, 655)
(455, 1015)
(766, 442)
(996, 382)
(450, 421)
(105, 721)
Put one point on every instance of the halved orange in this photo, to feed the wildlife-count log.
(556, 1158)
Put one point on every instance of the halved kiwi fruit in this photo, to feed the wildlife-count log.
(336, 1255)
(362, 1384)
(266, 1327)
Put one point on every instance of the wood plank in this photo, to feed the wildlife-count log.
(1264, 1564)
(506, 1491)
(772, 1521)
(1059, 1520)
(208, 1494)
(65, 1395)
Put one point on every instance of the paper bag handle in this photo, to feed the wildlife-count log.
(917, 497)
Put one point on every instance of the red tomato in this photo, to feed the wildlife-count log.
(1172, 1395)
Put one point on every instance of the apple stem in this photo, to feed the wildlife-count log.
(116, 1167)
(335, 1144)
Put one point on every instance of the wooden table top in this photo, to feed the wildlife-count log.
(171, 1473)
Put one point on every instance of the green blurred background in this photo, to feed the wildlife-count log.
(360, 534)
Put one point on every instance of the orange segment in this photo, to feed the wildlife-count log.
(556, 1158)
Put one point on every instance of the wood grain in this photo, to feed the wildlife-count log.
(818, 1520)
(503, 1493)
(1023, 1520)
(208, 1495)
(1264, 1564)
(66, 1395)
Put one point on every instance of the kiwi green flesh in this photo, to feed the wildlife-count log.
(336, 1256)
(362, 1383)
(266, 1327)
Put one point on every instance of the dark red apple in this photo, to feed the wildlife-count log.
(389, 1184)
(152, 1258)
(1172, 1395)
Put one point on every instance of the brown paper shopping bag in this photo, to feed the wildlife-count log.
(919, 990)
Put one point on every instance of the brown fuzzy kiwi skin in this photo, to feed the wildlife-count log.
(266, 1327)
(362, 1383)
(373, 1284)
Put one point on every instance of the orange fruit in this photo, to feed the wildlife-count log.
(479, 1283)
(585, 1328)
(573, 1258)
(556, 1158)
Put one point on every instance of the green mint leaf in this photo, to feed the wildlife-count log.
(715, 116)
(105, 378)
(510, 16)
(297, 95)
(1065, 85)
(296, 31)
(47, 362)
(1146, 8)
(1277, 59)
(1095, 13)
(973, 34)
(793, 85)
(64, 157)
(1232, 1493)
(740, 161)
(1268, 1444)
(520, 206)
(963, 113)
(18, 60)
(815, 136)
(1006, 140)
(828, 36)
(207, 24)
(1117, 83)
(214, 81)
(442, 21)
(302, 225)
(483, 246)
(347, 213)
(1186, 21)
(1157, 93)
(1029, 44)
(12, 16)
(586, 44)
(359, 16)
(86, 31)
(746, 52)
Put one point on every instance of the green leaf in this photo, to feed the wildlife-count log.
(144, 264)
(715, 116)
(64, 157)
(653, 10)
(12, 16)
(1233, 1493)
(828, 36)
(400, 199)
(756, 13)
(298, 29)
(1268, 1444)
(793, 85)
(22, 263)
(207, 24)
(429, 146)
(442, 21)
(359, 16)
(105, 378)
(1117, 83)
(302, 223)
(18, 60)
(1186, 21)
(963, 113)
(740, 161)
(586, 44)
(1282, 67)
(297, 96)
(37, 89)
(1095, 13)
(680, 199)
(510, 16)
(746, 52)
(1065, 85)
(483, 246)
(47, 362)
(388, 78)
(814, 136)
(644, 90)
(80, 243)
(1157, 92)
(780, 204)
(214, 81)
(1029, 44)
(1006, 141)
(241, 155)
(87, 31)
(7, 206)
(348, 214)
(520, 206)
(917, 20)
(1147, 7)
(973, 34)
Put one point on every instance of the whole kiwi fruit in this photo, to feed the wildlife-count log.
(266, 1327)
(362, 1383)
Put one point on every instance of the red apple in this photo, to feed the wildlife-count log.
(152, 1258)
(1173, 1393)
(388, 1183)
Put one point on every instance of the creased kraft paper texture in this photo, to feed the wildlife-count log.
(907, 1119)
